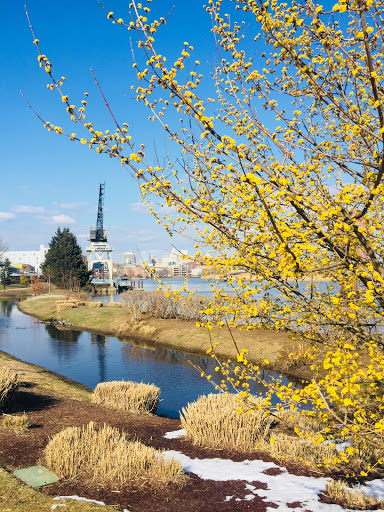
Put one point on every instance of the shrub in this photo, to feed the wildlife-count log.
(95, 304)
(8, 385)
(134, 397)
(157, 304)
(213, 421)
(108, 458)
(18, 424)
(351, 497)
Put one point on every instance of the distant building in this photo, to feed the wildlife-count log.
(129, 258)
(33, 258)
(145, 258)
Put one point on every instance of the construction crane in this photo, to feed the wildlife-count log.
(99, 249)
(98, 234)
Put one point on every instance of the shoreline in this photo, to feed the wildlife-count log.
(174, 334)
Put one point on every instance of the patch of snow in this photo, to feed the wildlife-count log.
(58, 505)
(77, 498)
(375, 488)
(282, 488)
(175, 434)
(247, 497)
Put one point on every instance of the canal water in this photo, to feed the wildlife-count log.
(92, 358)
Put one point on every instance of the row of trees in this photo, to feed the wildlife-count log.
(280, 172)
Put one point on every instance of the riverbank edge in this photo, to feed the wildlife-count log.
(15, 495)
(170, 337)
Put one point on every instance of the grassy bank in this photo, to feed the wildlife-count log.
(177, 334)
(15, 496)
(15, 290)
(44, 380)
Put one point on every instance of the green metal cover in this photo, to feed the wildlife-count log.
(36, 476)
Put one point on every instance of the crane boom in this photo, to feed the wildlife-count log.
(98, 234)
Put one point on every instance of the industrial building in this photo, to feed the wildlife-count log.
(33, 258)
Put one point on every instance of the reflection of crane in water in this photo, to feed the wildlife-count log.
(99, 340)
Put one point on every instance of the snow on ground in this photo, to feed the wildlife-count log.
(283, 488)
(78, 498)
(174, 434)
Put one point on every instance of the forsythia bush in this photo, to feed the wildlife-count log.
(281, 175)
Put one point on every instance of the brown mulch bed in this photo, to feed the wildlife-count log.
(48, 415)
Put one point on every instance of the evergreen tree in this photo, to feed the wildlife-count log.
(64, 261)
(6, 273)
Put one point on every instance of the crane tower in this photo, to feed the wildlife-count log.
(99, 249)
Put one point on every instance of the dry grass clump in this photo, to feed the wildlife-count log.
(301, 449)
(351, 497)
(107, 457)
(213, 422)
(18, 424)
(64, 306)
(8, 385)
(95, 304)
(114, 305)
(135, 397)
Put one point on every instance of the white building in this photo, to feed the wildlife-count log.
(33, 258)
(129, 258)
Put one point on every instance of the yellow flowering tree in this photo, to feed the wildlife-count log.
(280, 173)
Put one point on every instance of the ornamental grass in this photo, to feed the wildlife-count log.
(135, 397)
(351, 497)
(8, 385)
(17, 423)
(106, 457)
(213, 421)
(284, 444)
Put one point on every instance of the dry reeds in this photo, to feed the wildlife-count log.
(18, 424)
(301, 449)
(213, 421)
(64, 306)
(114, 305)
(156, 304)
(8, 385)
(95, 304)
(107, 457)
(351, 497)
(135, 397)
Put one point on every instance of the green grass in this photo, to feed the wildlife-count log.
(45, 380)
(15, 496)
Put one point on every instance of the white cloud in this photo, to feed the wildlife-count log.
(139, 207)
(6, 216)
(71, 206)
(62, 219)
(23, 208)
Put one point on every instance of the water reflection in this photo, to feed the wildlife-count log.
(99, 340)
(6, 307)
(93, 358)
(133, 350)
(63, 343)
(62, 334)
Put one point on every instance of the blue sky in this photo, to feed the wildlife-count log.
(48, 181)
